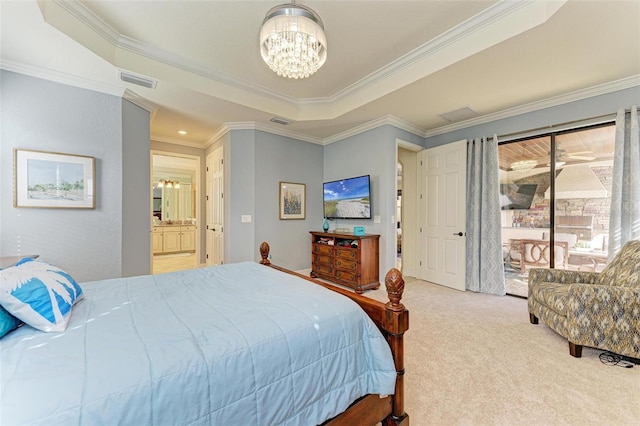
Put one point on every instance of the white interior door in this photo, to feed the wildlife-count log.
(442, 214)
(215, 207)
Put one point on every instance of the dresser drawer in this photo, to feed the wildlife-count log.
(320, 259)
(322, 249)
(349, 265)
(347, 253)
(322, 268)
(346, 276)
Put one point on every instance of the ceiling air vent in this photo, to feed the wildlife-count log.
(137, 79)
(461, 114)
(280, 120)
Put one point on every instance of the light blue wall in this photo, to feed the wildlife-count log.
(239, 199)
(136, 191)
(577, 110)
(371, 153)
(41, 115)
(287, 160)
(255, 164)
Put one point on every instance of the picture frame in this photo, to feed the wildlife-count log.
(53, 180)
(292, 201)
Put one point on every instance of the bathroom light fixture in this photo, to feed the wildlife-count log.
(168, 184)
(292, 41)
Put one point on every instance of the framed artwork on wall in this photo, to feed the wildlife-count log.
(292, 200)
(53, 180)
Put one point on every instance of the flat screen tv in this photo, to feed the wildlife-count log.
(348, 198)
(515, 196)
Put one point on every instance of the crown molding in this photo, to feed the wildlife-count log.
(251, 125)
(62, 78)
(138, 100)
(398, 73)
(373, 124)
(102, 28)
(177, 141)
(601, 89)
(497, 11)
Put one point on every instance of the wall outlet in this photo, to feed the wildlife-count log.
(245, 218)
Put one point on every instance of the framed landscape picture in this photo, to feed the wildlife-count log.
(53, 180)
(292, 200)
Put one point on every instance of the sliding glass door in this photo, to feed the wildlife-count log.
(555, 214)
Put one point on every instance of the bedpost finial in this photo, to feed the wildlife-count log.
(264, 253)
(395, 287)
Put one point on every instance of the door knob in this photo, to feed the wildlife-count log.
(459, 234)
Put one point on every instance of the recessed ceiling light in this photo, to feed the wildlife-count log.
(182, 132)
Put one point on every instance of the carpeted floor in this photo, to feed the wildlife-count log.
(474, 359)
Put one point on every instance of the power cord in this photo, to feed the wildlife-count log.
(609, 358)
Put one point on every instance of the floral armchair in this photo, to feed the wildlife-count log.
(599, 310)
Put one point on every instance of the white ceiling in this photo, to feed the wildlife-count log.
(400, 62)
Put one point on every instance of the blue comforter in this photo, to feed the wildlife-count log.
(238, 344)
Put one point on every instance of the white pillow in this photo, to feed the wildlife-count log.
(39, 294)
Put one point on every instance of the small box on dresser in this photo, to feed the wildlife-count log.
(347, 259)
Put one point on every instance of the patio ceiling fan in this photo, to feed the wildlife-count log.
(563, 156)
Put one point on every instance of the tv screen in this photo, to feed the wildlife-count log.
(515, 196)
(348, 198)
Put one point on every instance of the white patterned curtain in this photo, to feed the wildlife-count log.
(624, 221)
(485, 268)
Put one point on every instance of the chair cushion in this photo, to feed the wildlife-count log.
(551, 295)
(624, 269)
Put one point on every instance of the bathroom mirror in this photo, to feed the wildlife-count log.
(173, 189)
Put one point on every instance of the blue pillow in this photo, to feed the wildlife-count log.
(39, 294)
(7, 322)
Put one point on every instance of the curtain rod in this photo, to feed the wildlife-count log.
(523, 133)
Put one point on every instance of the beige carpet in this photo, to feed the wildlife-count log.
(474, 359)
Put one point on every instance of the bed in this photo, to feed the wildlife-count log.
(237, 344)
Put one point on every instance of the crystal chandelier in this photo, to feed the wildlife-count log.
(292, 41)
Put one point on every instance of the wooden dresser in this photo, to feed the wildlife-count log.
(347, 259)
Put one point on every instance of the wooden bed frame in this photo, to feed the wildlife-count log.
(392, 319)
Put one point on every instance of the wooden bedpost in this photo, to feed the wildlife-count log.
(392, 319)
(264, 253)
(397, 319)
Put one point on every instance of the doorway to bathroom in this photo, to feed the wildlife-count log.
(175, 206)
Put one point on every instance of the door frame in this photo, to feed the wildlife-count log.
(197, 195)
(409, 204)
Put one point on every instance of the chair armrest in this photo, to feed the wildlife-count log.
(604, 316)
(561, 276)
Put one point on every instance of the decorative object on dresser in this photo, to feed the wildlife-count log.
(347, 259)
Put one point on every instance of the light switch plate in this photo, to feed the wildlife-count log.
(376, 219)
(245, 218)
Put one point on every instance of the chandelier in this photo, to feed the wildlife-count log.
(292, 41)
(163, 183)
